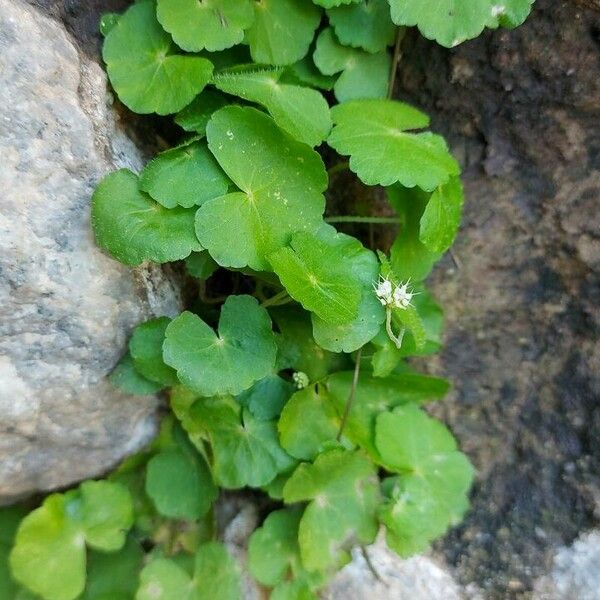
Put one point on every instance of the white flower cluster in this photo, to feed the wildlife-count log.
(393, 297)
(300, 379)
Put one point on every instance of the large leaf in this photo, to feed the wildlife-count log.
(215, 576)
(430, 493)
(316, 273)
(144, 68)
(308, 420)
(187, 175)
(228, 362)
(145, 348)
(282, 31)
(365, 25)
(245, 450)
(451, 22)
(301, 111)
(133, 228)
(210, 24)
(361, 266)
(442, 215)
(363, 75)
(375, 395)
(282, 182)
(343, 493)
(383, 150)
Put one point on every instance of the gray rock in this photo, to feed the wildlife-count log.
(576, 572)
(66, 310)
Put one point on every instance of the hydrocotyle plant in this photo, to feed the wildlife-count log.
(289, 371)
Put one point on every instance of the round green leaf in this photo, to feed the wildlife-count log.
(376, 134)
(210, 24)
(301, 111)
(164, 579)
(186, 176)
(282, 31)
(48, 557)
(126, 377)
(281, 179)
(365, 25)
(308, 420)
(363, 75)
(143, 68)
(133, 228)
(343, 493)
(180, 485)
(273, 550)
(145, 348)
(229, 362)
(246, 451)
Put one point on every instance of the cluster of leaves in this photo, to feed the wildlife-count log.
(295, 387)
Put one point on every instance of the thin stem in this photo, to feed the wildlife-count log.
(276, 299)
(350, 396)
(370, 564)
(397, 339)
(353, 219)
(341, 166)
(395, 61)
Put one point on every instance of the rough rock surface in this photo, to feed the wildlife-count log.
(522, 110)
(66, 310)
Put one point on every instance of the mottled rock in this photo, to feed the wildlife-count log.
(66, 310)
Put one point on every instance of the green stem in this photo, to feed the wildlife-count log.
(350, 396)
(276, 299)
(352, 219)
(395, 61)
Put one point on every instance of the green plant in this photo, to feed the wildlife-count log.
(296, 382)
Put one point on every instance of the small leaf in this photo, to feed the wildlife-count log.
(267, 397)
(126, 377)
(245, 451)
(107, 22)
(282, 31)
(215, 575)
(195, 116)
(316, 273)
(441, 218)
(143, 67)
(133, 228)
(228, 362)
(200, 265)
(211, 24)
(343, 493)
(410, 258)
(187, 175)
(180, 484)
(273, 551)
(376, 134)
(308, 420)
(305, 72)
(145, 348)
(365, 25)
(282, 189)
(363, 75)
(301, 111)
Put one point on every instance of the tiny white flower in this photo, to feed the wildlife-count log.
(402, 296)
(383, 290)
(300, 379)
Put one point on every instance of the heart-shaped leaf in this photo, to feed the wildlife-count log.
(207, 25)
(228, 362)
(383, 150)
(187, 175)
(301, 111)
(282, 31)
(133, 228)
(363, 75)
(282, 182)
(143, 67)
